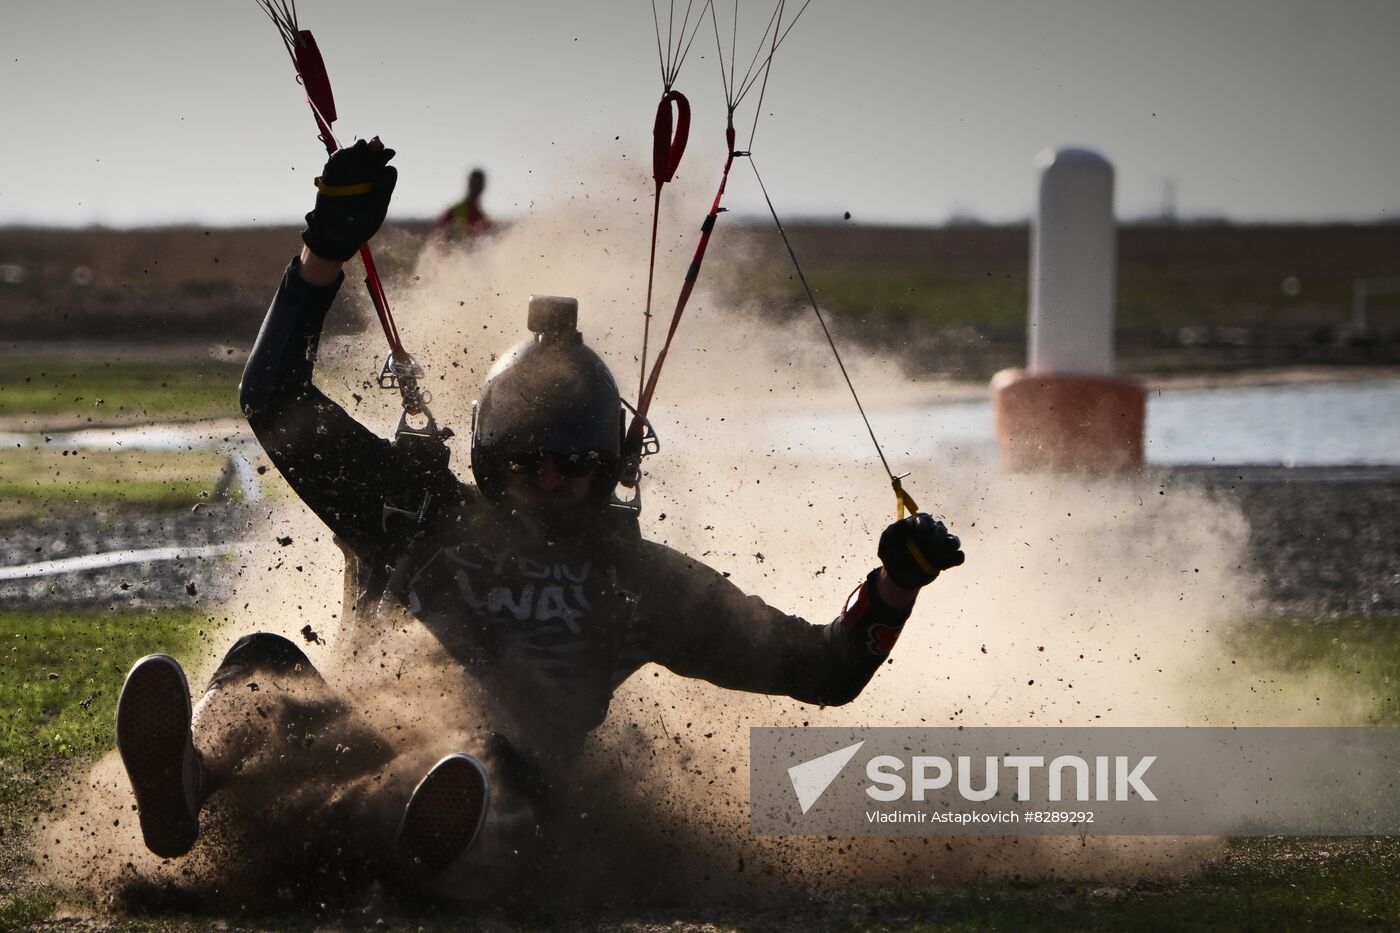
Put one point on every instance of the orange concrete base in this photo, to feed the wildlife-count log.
(1068, 423)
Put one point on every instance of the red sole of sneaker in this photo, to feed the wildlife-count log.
(445, 814)
(153, 730)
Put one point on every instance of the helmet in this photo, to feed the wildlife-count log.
(548, 394)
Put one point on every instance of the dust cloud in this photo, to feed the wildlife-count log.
(1083, 601)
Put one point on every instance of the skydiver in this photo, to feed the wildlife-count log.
(533, 581)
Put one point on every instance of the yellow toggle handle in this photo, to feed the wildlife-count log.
(903, 499)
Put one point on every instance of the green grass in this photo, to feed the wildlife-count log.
(53, 390)
(39, 483)
(919, 296)
(914, 295)
(1362, 656)
(24, 911)
(60, 671)
(1164, 300)
(1255, 884)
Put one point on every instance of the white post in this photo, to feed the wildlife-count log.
(1073, 262)
(1067, 411)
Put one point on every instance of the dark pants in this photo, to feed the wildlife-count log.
(295, 780)
(299, 774)
(263, 651)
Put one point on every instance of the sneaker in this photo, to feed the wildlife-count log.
(157, 749)
(445, 813)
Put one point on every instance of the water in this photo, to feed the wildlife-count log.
(1295, 425)
(1330, 424)
(1314, 424)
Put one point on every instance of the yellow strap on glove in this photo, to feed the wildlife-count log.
(341, 191)
(920, 560)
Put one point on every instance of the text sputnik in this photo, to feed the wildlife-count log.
(1111, 779)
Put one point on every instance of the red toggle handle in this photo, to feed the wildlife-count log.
(666, 148)
(312, 69)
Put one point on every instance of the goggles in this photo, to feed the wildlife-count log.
(571, 465)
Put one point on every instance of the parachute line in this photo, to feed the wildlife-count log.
(726, 80)
(733, 45)
(283, 14)
(680, 39)
(760, 66)
(660, 57)
(778, 41)
(675, 72)
(767, 68)
(812, 298)
(677, 45)
(758, 50)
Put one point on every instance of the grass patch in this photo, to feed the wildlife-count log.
(60, 672)
(914, 295)
(917, 296)
(39, 483)
(1361, 656)
(1270, 277)
(23, 911)
(75, 390)
(1255, 884)
(1167, 300)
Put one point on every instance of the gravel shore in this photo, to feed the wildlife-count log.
(1324, 541)
(143, 583)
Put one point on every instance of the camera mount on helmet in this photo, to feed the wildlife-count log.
(553, 316)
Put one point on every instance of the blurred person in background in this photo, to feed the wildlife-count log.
(465, 221)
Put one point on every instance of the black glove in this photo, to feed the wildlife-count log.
(352, 199)
(916, 548)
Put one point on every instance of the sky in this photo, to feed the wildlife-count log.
(897, 111)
